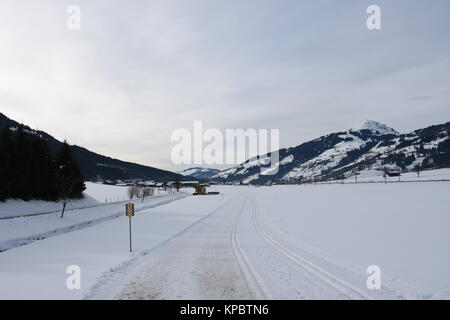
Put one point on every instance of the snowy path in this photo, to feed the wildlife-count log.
(280, 242)
(199, 264)
(230, 255)
(257, 241)
(38, 270)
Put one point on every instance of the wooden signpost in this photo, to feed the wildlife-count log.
(129, 211)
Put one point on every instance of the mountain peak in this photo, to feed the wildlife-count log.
(199, 172)
(375, 127)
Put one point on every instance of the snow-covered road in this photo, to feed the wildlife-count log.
(255, 241)
(281, 242)
(199, 264)
(229, 255)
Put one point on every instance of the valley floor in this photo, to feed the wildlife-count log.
(280, 242)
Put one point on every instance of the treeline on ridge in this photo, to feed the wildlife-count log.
(29, 170)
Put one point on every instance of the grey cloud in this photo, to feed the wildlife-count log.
(139, 70)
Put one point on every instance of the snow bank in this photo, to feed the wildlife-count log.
(403, 228)
(23, 230)
(13, 208)
(96, 194)
(106, 193)
(38, 270)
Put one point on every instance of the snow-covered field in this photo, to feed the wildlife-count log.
(377, 176)
(402, 228)
(38, 270)
(282, 242)
(43, 220)
(95, 194)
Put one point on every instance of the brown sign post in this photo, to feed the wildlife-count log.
(129, 211)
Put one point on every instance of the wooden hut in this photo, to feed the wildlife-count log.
(200, 189)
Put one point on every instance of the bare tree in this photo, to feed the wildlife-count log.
(65, 190)
(130, 193)
(355, 173)
(385, 174)
(133, 192)
(341, 177)
(145, 192)
(177, 184)
(417, 169)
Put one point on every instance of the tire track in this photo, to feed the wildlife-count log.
(118, 273)
(324, 276)
(252, 281)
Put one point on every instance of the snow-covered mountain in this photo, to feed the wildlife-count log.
(199, 173)
(375, 128)
(372, 145)
(93, 164)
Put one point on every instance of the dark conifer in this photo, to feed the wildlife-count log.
(29, 171)
(70, 179)
(6, 163)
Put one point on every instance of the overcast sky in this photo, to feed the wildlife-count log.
(137, 70)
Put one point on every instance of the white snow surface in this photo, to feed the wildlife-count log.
(282, 242)
(197, 170)
(41, 222)
(95, 194)
(370, 176)
(375, 127)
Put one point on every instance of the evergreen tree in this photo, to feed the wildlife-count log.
(43, 179)
(70, 180)
(22, 167)
(6, 163)
(28, 170)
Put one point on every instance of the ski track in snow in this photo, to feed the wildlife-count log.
(261, 244)
(143, 286)
(344, 288)
(119, 277)
(252, 280)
